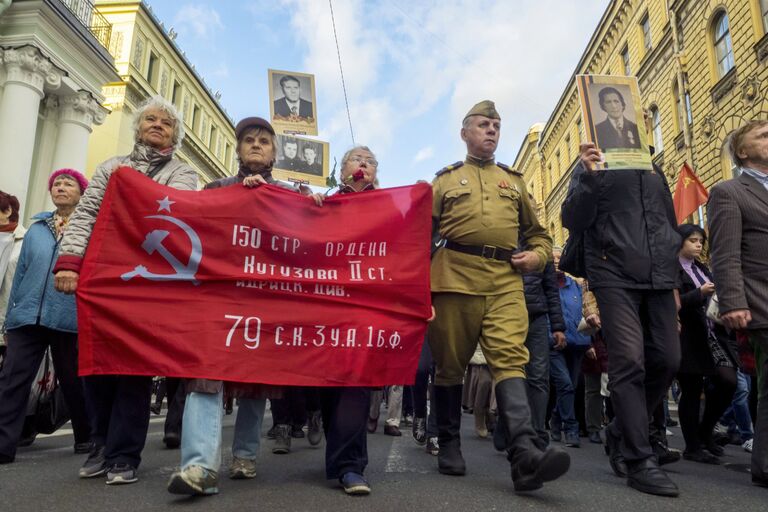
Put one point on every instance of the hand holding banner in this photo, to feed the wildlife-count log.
(256, 285)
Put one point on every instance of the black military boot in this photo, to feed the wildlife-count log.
(531, 466)
(448, 415)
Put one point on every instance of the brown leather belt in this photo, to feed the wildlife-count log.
(486, 251)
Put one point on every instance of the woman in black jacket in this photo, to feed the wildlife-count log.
(709, 357)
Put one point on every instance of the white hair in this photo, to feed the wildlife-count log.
(348, 154)
(159, 103)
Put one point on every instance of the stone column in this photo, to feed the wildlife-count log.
(77, 115)
(28, 72)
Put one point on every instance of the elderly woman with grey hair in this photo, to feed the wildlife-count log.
(345, 409)
(120, 403)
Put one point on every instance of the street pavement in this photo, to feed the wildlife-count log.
(403, 478)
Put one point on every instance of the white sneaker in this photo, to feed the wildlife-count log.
(747, 445)
(720, 429)
(669, 433)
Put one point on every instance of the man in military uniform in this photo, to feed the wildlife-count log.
(480, 210)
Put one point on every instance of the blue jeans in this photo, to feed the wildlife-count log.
(564, 370)
(201, 441)
(737, 416)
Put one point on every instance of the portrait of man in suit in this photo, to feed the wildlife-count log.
(311, 165)
(290, 160)
(292, 105)
(616, 131)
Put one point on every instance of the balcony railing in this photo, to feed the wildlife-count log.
(91, 19)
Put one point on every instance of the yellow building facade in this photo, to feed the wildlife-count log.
(702, 67)
(149, 62)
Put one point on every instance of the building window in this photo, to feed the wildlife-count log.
(625, 60)
(557, 164)
(678, 109)
(551, 177)
(688, 111)
(723, 46)
(764, 14)
(152, 69)
(580, 130)
(227, 153)
(176, 92)
(195, 118)
(568, 148)
(646, 26)
(658, 142)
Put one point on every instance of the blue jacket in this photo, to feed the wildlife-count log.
(33, 299)
(570, 301)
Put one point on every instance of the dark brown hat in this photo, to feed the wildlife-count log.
(252, 122)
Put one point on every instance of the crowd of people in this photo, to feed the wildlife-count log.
(543, 345)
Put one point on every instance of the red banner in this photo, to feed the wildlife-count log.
(256, 285)
(690, 193)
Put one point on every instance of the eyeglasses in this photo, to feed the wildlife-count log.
(360, 159)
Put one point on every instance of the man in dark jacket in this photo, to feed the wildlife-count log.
(627, 222)
(542, 298)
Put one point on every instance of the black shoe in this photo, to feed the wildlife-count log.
(530, 471)
(672, 423)
(594, 437)
(615, 457)
(760, 481)
(172, 440)
(419, 430)
(156, 408)
(6, 459)
(282, 440)
(392, 430)
(646, 476)
(297, 432)
(315, 430)
(664, 454)
(81, 448)
(701, 456)
(448, 414)
(713, 448)
(271, 432)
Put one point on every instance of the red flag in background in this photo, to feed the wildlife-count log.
(689, 193)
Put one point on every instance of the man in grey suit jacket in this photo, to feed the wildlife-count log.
(738, 224)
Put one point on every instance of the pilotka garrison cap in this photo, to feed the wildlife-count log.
(252, 122)
(484, 108)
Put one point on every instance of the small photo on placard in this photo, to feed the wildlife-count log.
(613, 118)
(292, 102)
(301, 160)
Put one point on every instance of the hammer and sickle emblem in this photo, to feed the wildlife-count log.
(154, 243)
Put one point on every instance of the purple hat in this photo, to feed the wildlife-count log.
(81, 180)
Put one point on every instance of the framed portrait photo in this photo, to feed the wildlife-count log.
(613, 119)
(292, 102)
(301, 160)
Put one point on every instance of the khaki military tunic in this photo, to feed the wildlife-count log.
(481, 299)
